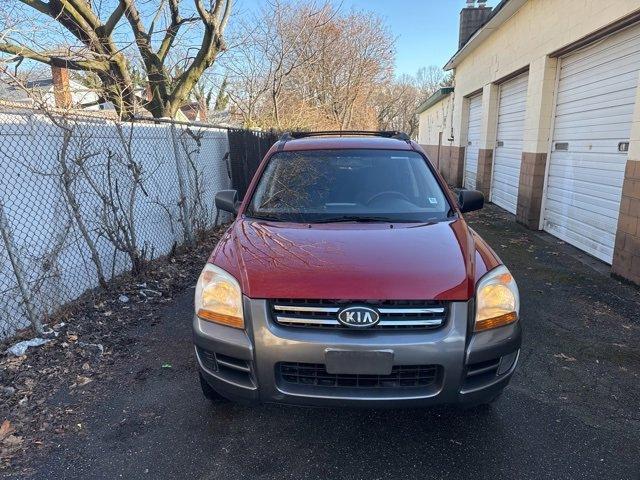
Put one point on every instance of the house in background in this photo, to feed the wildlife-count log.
(60, 91)
(545, 120)
(192, 112)
(54, 91)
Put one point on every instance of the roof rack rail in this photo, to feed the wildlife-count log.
(344, 133)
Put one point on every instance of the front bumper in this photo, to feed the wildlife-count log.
(247, 365)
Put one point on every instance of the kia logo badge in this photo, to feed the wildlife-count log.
(358, 317)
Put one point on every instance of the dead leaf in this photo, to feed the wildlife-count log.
(12, 441)
(5, 429)
(565, 357)
(82, 380)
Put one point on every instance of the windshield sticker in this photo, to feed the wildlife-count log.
(433, 201)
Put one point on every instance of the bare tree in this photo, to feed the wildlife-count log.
(396, 103)
(357, 53)
(269, 55)
(116, 183)
(97, 50)
(309, 66)
(397, 100)
(431, 78)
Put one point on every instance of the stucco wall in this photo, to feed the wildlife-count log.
(538, 28)
(434, 120)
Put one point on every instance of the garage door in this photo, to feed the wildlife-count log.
(473, 142)
(595, 102)
(508, 152)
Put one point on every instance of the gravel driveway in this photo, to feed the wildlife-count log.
(572, 410)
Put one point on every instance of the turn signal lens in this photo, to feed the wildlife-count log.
(219, 297)
(497, 300)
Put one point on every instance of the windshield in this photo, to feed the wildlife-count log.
(348, 185)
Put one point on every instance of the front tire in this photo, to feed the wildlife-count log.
(209, 393)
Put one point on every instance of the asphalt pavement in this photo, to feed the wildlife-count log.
(572, 410)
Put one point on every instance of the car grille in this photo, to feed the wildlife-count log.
(394, 314)
(315, 375)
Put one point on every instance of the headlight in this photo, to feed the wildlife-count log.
(497, 300)
(219, 298)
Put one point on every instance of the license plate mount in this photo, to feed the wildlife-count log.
(358, 362)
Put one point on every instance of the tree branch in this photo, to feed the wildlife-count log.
(82, 8)
(139, 31)
(113, 20)
(56, 61)
(40, 6)
(226, 15)
(204, 14)
(172, 30)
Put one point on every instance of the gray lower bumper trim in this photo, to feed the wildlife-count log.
(266, 343)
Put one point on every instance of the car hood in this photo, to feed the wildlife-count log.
(351, 261)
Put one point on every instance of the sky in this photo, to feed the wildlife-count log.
(426, 31)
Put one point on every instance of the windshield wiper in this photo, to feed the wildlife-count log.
(363, 219)
(268, 218)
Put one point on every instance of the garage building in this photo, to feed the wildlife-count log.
(545, 120)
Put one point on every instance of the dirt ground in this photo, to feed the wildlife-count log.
(571, 411)
(44, 394)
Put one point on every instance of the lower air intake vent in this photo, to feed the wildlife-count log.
(231, 369)
(315, 375)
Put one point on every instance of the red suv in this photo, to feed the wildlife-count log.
(349, 277)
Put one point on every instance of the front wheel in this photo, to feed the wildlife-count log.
(209, 393)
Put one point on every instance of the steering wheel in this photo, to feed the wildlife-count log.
(388, 193)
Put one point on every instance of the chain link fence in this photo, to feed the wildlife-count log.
(83, 199)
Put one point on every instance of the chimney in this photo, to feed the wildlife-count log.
(202, 109)
(472, 17)
(61, 88)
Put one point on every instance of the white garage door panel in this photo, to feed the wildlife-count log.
(618, 46)
(593, 121)
(580, 227)
(615, 80)
(577, 135)
(584, 239)
(582, 199)
(473, 142)
(588, 78)
(581, 224)
(595, 103)
(507, 156)
(598, 60)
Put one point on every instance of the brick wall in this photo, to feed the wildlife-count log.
(432, 153)
(485, 169)
(61, 89)
(530, 189)
(626, 255)
(450, 162)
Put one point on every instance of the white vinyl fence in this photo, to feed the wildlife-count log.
(85, 199)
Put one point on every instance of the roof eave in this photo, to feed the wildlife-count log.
(433, 99)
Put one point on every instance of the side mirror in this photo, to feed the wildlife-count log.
(227, 200)
(470, 200)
